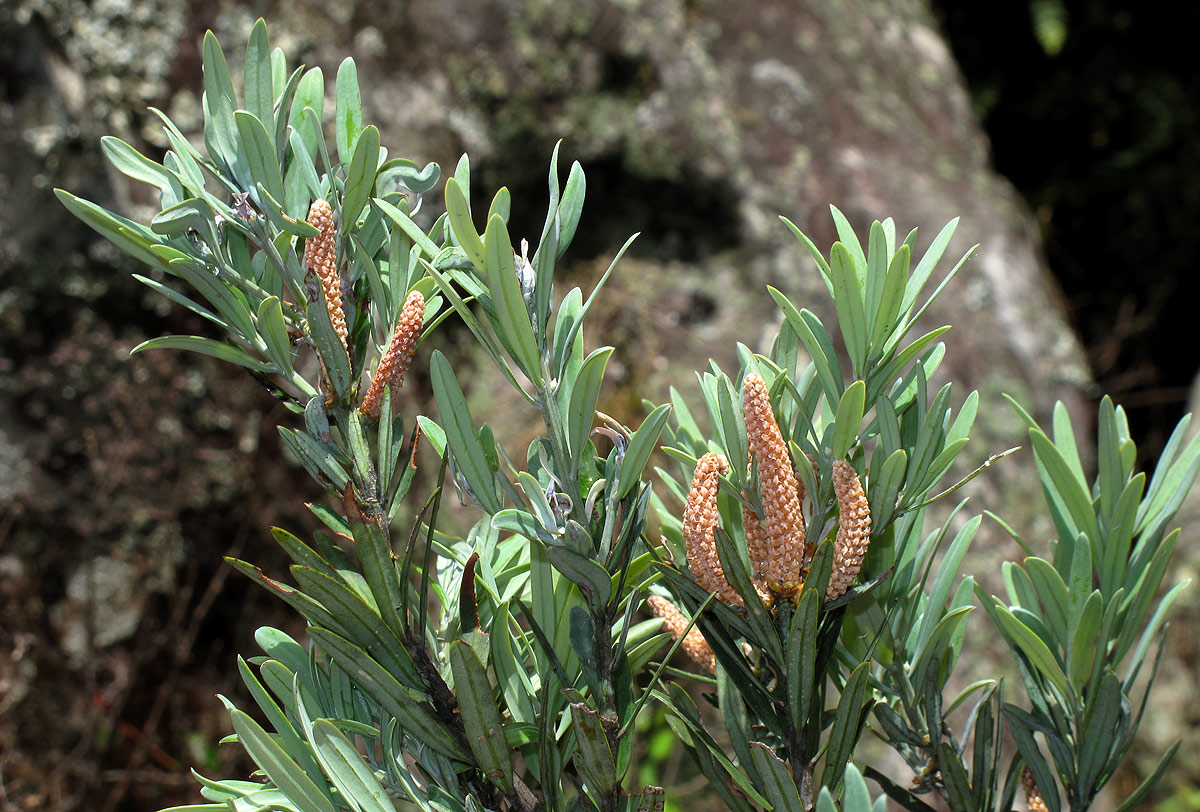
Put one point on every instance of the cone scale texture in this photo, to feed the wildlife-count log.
(395, 361)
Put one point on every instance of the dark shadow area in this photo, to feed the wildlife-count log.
(1093, 110)
(684, 219)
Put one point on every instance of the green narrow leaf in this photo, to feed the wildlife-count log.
(596, 757)
(852, 707)
(287, 734)
(1064, 440)
(220, 134)
(850, 242)
(1032, 646)
(1172, 480)
(461, 435)
(1084, 641)
(257, 85)
(413, 231)
(316, 457)
(360, 178)
(278, 766)
(132, 238)
(484, 338)
(1067, 485)
(262, 161)
(185, 301)
(944, 582)
(348, 109)
(583, 571)
(849, 417)
(571, 207)
(928, 262)
(458, 211)
(192, 213)
(848, 303)
(641, 446)
(1079, 582)
(504, 286)
(414, 716)
(777, 783)
(273, 329)
(310, 93)
(1111, 474)
(955, 780)
(378, 564)
(1148, 783)
(816, 340)
(1100, 729)
(802, 657)
(206, 346)
(886, 487)
(581, 411)
(330, 347)
(1151, 631)
(887, 317)
(813, 251)
(737, 721)
(480, 715)
(878, 255)
(1119, 536)
(1052, 593)
(133, 164)
(344, 765)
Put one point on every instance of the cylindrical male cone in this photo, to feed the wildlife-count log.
(783, 520)
(854, 529)
(320, 257)
(699, 529)
(396, 359)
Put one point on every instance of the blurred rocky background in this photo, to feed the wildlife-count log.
(1063, 134)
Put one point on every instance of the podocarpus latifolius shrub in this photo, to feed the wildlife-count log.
(783, 543)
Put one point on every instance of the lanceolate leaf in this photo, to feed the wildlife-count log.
(849, 416)
(206, 346)
(132, 163)
(354, 779)
(1032, 646)
(480, 715)
(641, 446)
(279, 767)
(258, 90)
(852, 707)
(132, 238)
(413, 715)
(581, 411)
(378, 564)
(348, 110)
(459, 213)
(1066, 485)
(505, 289)
(777, 782)
(360, 178)
(219, 103)
(595, 755)
(260, 153)
(1138, 795)
(802, 657)
(461, 434)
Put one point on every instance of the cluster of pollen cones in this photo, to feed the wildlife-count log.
(775, 543)
(320, 258)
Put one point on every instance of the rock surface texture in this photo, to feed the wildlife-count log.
(697, 122)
